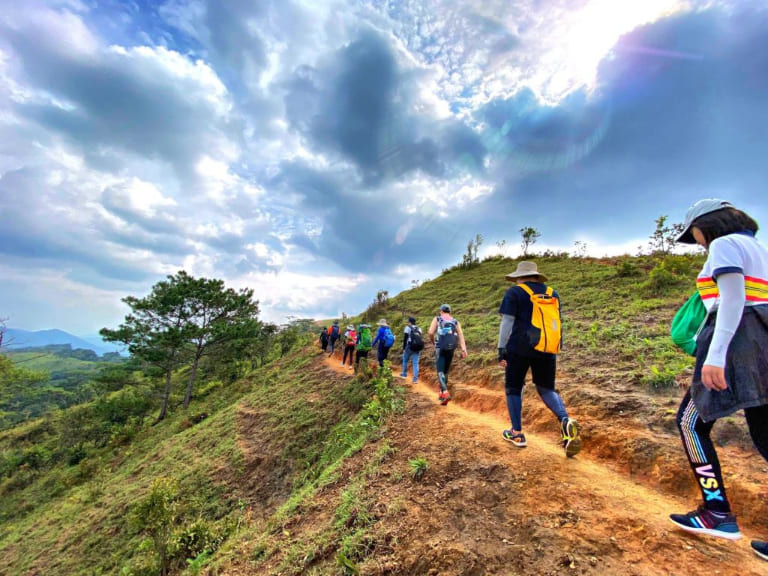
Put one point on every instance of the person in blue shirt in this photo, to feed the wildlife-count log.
(517, 356)
(385, 339)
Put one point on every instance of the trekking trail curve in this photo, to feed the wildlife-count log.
(561, 515)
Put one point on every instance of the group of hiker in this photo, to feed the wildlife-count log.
(524, 344)
(729, 341)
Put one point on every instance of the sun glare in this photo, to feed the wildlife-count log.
(590, 35)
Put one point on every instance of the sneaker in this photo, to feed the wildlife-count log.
(403, 375)
(703, 521)
(444, 397)
(415, 380)
(571, 440)
(517, 438)
(760, 548)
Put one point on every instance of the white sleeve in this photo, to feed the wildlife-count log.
(732, 298)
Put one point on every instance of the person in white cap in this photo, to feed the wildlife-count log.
(731, 371)
(517, 355)
(350, 339)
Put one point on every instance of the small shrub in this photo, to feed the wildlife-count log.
(660, 379)
(419, 467)
(660, 279)
(626, 269)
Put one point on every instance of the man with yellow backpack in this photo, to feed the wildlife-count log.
(529, 338)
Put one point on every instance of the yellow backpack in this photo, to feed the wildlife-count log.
(546, 331)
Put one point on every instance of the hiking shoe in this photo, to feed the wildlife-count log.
(415, 380)
(444, 397)
(703, 521)
(403, 375)
(571, 440)
(516, 438)
(760, 548)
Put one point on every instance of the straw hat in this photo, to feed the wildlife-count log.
(525, 269)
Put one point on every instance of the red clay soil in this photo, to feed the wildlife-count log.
(487, 507)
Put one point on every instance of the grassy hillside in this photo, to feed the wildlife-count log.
(235, 474)
(613, 308)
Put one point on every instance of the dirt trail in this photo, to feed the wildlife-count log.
(487, 507)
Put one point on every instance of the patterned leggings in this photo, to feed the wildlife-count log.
(701, 453)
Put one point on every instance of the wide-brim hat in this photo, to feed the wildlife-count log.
(350, 327)
(525, 269)
(700, 208)
(382, 322)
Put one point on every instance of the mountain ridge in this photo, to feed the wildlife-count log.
(19, 338)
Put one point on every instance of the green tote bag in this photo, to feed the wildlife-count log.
(687, 323)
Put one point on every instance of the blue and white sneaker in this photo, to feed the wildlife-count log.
(760, 548)
(703, 521)
(515, 438)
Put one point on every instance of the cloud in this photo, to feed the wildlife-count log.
(319, 152)
(143, 100)
(358, 107)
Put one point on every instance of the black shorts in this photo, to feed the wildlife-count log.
(542, 367)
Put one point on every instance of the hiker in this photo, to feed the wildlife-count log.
(413, 344)
(333, 335)
(324, 339)
(446, 334)
(385, 339)
(350, 340)
(731, 371)
(364, 343)
(525, 344)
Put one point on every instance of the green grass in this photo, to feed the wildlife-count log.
(62, 522)
(615, 316)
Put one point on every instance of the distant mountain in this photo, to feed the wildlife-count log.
(16, 338)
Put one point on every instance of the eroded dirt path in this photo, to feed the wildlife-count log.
(487, 507)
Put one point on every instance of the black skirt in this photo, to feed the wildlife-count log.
(746, 367)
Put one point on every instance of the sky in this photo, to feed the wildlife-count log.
(318, 152)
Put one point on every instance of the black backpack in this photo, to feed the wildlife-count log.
(415, 339)
(447, 334)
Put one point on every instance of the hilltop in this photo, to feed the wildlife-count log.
(302, 468)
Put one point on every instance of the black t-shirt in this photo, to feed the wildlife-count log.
(517, 303)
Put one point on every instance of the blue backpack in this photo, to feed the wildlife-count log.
(389, 337)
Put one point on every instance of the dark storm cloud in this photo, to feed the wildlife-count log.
(357, 106)
(679, 114)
